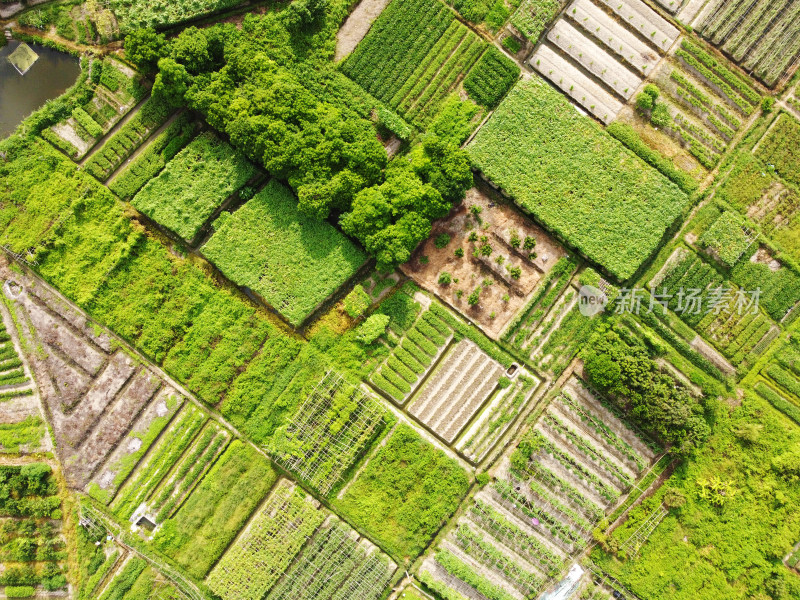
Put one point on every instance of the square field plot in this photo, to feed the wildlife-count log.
(194, 185)
(294, 263)
(456, 390)
(575, 179)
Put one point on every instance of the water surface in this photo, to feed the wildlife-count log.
(20, 95)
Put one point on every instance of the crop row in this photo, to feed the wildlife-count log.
(253, 564)
(571, 463)
(790, 409)
(550, 287)
(412, 358)
(586, 448)
(459, 62)
(486, 553)
(498, 525)
(329, 566)
(434, 60)
(397, 43)
(498, 415)
(731, 79)
(192, 467)
(777, 49)
(155, 157)
(576, 84)
(453, 395)
(645, 21)
(458, 569)
(555, 522)
(697, 98)
(166, 453)
(750, 27)
(124, 143)
(596, 424)
(785, 379)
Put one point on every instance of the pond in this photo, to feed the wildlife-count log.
(20, 95)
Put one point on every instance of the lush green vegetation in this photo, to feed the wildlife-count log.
(533, 16)
(145, 13)
(625, 370)
(597, 192)
(779, 148)
(292, 261)
(405, 493)
(152, 159)
(272, 110)
(217, 509)
(491, 78)
(193, 185)
(733, 517)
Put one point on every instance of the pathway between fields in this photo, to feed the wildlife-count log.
(357, 25)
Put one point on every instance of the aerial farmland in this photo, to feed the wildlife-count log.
(400, 299)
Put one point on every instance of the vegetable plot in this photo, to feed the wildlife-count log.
(455, 392)
(330, 430)
(597, 192)
(267, 547)
(194, 185)
(293, 262)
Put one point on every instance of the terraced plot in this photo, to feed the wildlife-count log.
(456, 390)
(21, 425)
(118, 91)
(124, 143)
(520, 532)
(93, 390)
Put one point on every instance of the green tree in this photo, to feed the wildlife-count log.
(172, 82)
(371, 329)
(144, 48)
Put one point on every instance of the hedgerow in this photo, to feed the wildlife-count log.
(598, 193)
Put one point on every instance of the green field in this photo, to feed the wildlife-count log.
(290, 260)
(416, 52)
(193, 185)
(405, 493)
(208, 521)
(575, 179)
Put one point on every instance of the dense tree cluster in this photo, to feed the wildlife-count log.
(626, 372)
(244, 84)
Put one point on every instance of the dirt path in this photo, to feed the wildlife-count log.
(357, 25)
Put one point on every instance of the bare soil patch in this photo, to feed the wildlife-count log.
(501, 296)
(91, 389)
(357, 25)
